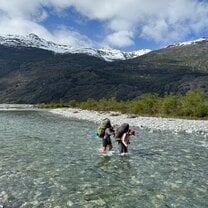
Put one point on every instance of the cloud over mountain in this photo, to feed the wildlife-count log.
(122, 23)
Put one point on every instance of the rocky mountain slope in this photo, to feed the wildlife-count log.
(34, 75)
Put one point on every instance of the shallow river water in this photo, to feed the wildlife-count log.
(48, 161)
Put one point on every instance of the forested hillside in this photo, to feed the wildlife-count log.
(32, 75)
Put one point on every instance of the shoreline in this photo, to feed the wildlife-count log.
(151, 123)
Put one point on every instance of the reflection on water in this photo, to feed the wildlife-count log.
(50, 161)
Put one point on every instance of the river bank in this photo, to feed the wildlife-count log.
(151, 123)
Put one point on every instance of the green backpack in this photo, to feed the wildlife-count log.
(102, 127)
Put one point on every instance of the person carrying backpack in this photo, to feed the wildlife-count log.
(122, 136)
(105, 131)
(107, 139)
(125, 141)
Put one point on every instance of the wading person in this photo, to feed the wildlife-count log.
(104, 131)
(107, 139)
(125, 141)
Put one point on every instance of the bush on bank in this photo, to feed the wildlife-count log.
(193, 105)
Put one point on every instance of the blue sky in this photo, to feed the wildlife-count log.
(126, 25)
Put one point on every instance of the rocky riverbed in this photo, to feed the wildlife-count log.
(151, 123)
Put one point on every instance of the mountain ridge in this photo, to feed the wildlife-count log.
(108, 54)
(32, 40)
(185, 43)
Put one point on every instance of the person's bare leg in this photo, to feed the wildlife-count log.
(110, 147)
(103, 149)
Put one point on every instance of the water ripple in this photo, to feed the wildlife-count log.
(50, 161)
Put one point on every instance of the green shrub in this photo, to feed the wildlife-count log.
(169, 105)
(72, 103)
(194, 105)
(147, 105)
(90, 104)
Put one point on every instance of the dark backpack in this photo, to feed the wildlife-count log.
(121, 130)
(102, 127)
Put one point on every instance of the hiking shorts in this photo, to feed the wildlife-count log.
(106, 142)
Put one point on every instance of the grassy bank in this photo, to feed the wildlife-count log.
(193, 105)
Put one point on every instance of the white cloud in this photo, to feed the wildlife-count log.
(158, 20)
(20, 17)
(179, 19)
(21, 8)
(120, 39)
(64, 36)
(162, 21)
(21, 27)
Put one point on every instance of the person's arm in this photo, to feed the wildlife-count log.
(107, 133)
(123, 139)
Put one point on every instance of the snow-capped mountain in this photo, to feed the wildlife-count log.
(189, 42)
(33, 40)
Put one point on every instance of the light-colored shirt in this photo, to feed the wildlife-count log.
(108, 133)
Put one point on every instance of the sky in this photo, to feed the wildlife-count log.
(126, 25)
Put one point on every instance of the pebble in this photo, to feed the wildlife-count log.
(70, 203)
(151, 123)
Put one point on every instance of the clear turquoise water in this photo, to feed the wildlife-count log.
(50, 161)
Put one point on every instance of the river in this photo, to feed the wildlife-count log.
(48, 161)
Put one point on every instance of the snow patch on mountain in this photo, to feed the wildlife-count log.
(34, 41)
(189, 42)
